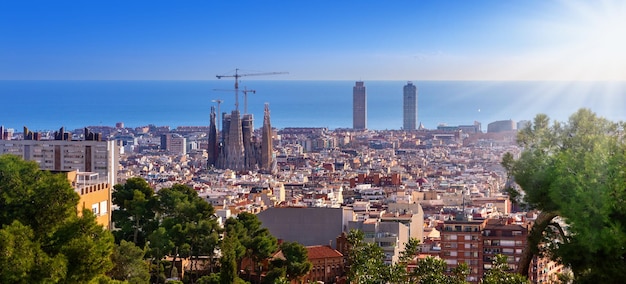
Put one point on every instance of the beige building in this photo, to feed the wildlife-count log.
(95, 195)
(101, 157)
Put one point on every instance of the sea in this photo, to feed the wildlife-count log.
(49, 105)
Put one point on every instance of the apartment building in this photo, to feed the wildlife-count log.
(101, 157)
(501, 236)
(461, 242)
(391, 236)
(95, 194)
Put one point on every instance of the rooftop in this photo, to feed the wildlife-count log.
(316, 252)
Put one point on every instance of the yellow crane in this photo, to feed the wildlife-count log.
(237, 76)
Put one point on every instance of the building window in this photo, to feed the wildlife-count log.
(103, 207)
(94, 209)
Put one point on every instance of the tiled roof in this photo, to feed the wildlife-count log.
(316, 252)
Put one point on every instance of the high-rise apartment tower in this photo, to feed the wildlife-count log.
(409, 121)
(65, 154)
(359, 106)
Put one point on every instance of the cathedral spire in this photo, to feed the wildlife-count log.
(267, 149)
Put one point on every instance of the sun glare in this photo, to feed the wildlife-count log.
(581, 46)
(586, 41)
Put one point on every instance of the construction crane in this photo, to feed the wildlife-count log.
(237, 76)
(245, 92)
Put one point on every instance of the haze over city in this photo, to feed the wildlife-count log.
(313, 40)
(390, 142)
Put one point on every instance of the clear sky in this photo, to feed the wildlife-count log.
(314, 39)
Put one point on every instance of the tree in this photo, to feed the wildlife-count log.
(129, 264)
(61, 247)
(87, 247)
(210, 279)
(228, 261)
(189, 222)
(500, 273)
(135, 216)
(366, 265)
(404, 274)
(296, 262)
(38, 199)
(575, 170)
(252, 241)
(431, 270)
(365, 260)
(23, 261)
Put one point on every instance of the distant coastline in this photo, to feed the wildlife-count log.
(48, 104)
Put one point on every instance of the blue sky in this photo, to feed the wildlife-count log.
(314, 40)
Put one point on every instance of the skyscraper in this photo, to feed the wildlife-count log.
(359, 106)
(409, 121)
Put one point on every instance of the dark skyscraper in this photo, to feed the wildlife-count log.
(359, 106)
(409, 121)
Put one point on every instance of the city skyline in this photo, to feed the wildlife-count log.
(400, 40)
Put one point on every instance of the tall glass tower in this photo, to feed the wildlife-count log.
(409, 120)
(359, 106)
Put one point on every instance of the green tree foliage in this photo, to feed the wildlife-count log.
(365, 261)
(432, 270)
(23, 261)
(366, 265)
(87, 247)
(252, 240)
(228, 261)
(42, 239)
(210, 279)
(135, 216)
(103, 279)
(296, 262)
(575, 170)
(189, 221)
(175, 222)
(402, 272)
(129, 264)
(38, 199)
(500, 273)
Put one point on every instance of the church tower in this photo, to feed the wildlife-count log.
(267, 149)
(212, 150)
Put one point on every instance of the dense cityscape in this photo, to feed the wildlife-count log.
(443, 187)
(370, 142)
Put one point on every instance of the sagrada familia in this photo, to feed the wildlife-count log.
(237, 148)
